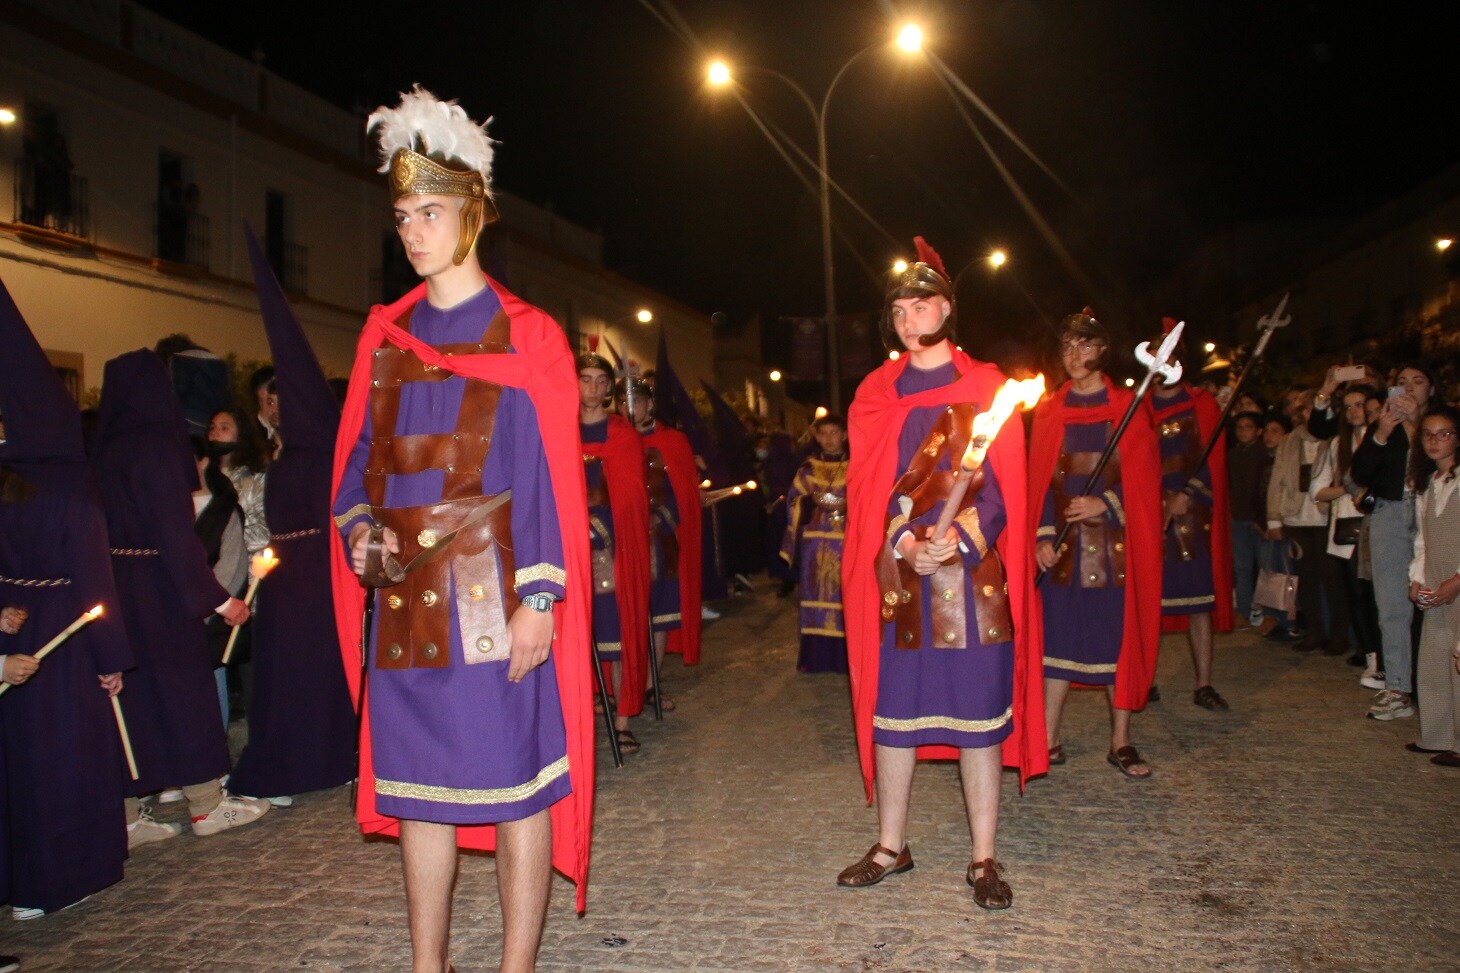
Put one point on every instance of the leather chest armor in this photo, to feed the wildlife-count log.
(922, 488)
(1096, 542)
(661, 522)
(458, 551)
(1197, 521)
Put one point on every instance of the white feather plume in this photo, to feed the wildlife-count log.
(425, 124)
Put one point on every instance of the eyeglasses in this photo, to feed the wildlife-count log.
(1437, 435)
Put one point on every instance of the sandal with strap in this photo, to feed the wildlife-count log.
(869, 871)
(1057, 755)
(666, 704)
(1208, 698)
(627, 742)
(1125, 760)
(990, 891)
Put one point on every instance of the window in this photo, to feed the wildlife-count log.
(289, 260)
(48, 193)
(182, 230)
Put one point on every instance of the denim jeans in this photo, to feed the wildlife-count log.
(1245, 541)
(1391, 545)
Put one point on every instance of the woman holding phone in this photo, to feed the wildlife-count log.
(1381, 463)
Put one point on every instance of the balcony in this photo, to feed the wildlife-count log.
(52, 197)
(181, 236)
(290, 262)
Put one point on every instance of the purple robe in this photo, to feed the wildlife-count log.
(63, 830)
(1186, 585)
(962, 695)
(816, 499)
(1083, 627)
(145, 469)
(461, 744)
(301, 722)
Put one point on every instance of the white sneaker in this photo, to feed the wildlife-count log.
(20, 914)
(1391, 705)
(145, 830)
(171, 796)
(283, 801)
(232, 812)
(708, 614)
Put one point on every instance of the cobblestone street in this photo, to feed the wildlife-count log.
(1289, 834)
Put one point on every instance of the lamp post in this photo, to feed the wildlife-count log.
(910, 40)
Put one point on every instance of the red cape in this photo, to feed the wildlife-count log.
(874, 422)
(1208, 414)
(679, 460)
(544, 368)
(1140, 478)
(623, 473)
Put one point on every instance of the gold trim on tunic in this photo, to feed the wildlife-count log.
(1074, 666)
(836, 605)
(610, 646)
(896, 524)
(942, 723)
(824, 631)
(1198, 600)
(351, 514)
(1049, 532)
(968, 519)
(659, 619)
(474, 795)
(600, 529)
(544, 571)
(835, 535)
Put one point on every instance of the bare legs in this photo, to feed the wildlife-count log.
(980, 770)
(428, 859)
(524, 872)
(1056, 692)
(1199, 637)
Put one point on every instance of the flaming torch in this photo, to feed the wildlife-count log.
(986, 425)
(263, 562)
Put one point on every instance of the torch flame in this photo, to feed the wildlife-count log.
(986, 425)
(97, 612)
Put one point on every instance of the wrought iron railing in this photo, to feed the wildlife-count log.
(291, 262)
(49, 194)
(182, 236)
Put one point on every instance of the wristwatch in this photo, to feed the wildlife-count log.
(540, 602)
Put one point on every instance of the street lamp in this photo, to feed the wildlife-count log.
(997, 259)
(644, 315)
(1442, 244)
(899, 265)
(910, 40)
(775, 375)
(1209, 347)
(7, 116)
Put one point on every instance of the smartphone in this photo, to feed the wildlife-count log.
(1395, 391)
(1349, 373)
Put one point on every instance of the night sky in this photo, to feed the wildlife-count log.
(1168, 120)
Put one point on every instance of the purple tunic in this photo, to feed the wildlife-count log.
(461, 744)
(1082, 626)
(301, 722)
(606, 631)
(146, 472)
(1186, 585)
(962, 695)
(663, 590)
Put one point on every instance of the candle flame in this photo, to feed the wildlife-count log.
(735, 490)
(750, 484)
(704, 484)
(263, 562)
(97, 612)
(986, 425)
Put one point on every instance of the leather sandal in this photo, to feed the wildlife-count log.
(869, 871)
(990, 891)
(627, 742)
(666, 704)
(1208, 698)
(1125, 760)
(1057, 755)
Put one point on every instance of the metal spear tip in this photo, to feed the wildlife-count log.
(1276, 319)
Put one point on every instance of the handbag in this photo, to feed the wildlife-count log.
(1277, 590)
(1346, 530)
